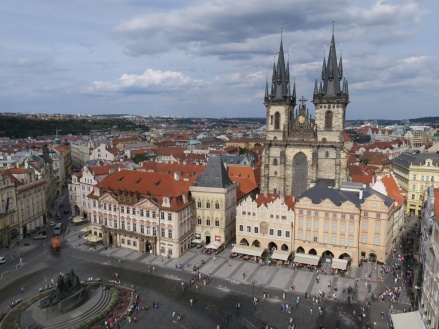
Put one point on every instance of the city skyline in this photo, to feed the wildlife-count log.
(212, 59)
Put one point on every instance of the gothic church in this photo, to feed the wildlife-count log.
(298, 150)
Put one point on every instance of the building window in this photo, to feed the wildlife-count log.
(217, 223)
(199, 204)
(326, 214)
(351, 229)
(325, 239)
(256, 230)
(241, 228)
(315, 238)
(123, 241)
(208, 204)
(142, 213)
(364, 225)
(216, 205)
(414, 177)
(128, 226)
(249, 229)
(308, 213)
(122, 225)
(328, 119)
(364, 238)
(122, 209)
(274, 162)
(333, 239)
(308, 224)
(341, 241)
(287, 234)
(199, 220)
(308, 236)
(334, 227)
(300, 222)
(153, 214)
(351, 217)
(350, 242)
(378, 215)
(316, 213)
(129, 242)
(376, 240)
(342, 228)
(162, 215)
(148, 230)
(134, 243)
(142, 229)
(279, 233)
(366, 214)
(300, 212)
(334, 215)
(208, 222)
(134, 227)
(300, 236)
(147, 213)
(271, 231)
(277, 120)
(326, 226)
(316, 224)
(169, 216)
(377, 227)
(169, 234)
(413, 188)
(162, 233)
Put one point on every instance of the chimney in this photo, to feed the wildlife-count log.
(177, 176)
(360, 195)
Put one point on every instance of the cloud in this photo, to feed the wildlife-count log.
(150, 82)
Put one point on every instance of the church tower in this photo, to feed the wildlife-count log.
(330, 101)
(299, 150)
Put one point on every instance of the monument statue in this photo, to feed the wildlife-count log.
(67, 285)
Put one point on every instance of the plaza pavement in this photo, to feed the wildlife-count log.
(274, 279)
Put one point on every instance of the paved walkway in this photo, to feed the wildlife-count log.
(231, 269)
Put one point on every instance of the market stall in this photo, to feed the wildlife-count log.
(247, 252)
(307, 259)
(281, 257)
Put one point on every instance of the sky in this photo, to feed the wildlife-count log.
(212, 58)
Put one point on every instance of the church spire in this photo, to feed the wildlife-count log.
(332, 72)
(280, 87)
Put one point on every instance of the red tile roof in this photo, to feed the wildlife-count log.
(266, 199)
(393, 190)
(147, 185)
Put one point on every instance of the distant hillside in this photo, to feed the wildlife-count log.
(19, 127)
(425, 119)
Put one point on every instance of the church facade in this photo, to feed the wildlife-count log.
(299, 150)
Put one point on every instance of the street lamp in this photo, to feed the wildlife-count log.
(253, 283)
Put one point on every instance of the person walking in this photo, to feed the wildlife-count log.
(297, 301)
(191, 301)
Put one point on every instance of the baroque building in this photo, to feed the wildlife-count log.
(300, 150)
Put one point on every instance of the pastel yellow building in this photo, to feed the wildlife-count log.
(350, 223)
(415, 173)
